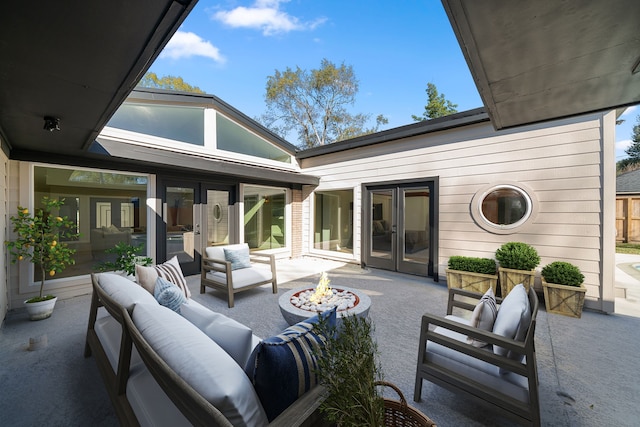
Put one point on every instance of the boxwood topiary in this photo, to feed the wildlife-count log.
(473, 265)
(518, 256)
(562, 273)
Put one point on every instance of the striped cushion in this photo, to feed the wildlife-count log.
(168, 294)
(170, 271)
(484, 316)
(281, 368)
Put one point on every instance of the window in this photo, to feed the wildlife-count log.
(178, 123)
(107, 208)
(503, 208)
(333, 221)
(235, 138)
(264, 217)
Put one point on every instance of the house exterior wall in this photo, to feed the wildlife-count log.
(564, 163)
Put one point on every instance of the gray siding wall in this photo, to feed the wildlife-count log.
(562, 162)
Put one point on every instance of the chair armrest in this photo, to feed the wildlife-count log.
(303, 411)
(262, 258)
(479, 334)
(454, 302)
(213, 264)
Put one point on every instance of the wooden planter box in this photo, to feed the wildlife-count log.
(565, 300)
(510, 278)
(475, 282)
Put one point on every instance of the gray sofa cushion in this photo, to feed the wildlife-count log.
(234, 337)
(124, 291)
(200, 362)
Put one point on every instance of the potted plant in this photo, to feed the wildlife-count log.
(40, 240)
(564, 290)
(127, 257)
(517, 263)
(472, 274)
(348, 367)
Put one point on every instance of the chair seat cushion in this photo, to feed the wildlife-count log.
(243, 277)
(200, 362)
(475, 369)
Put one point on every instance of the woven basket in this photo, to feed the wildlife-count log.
(399, 414)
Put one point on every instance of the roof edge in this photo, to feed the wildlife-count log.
(465, 118)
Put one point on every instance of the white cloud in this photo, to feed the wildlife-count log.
(629, 110)
(621, 147)
(187, 44)
(266, 16)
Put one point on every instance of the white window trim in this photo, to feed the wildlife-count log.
(479, 218)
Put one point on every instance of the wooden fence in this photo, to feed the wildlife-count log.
(628, 219)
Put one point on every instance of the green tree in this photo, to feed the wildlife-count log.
(314, 104)
(437, 105)
(167, 82)
(633, 151)
(39, 240)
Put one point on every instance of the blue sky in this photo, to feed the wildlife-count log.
(229, 48)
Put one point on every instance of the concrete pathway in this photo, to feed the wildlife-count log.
(627, 285)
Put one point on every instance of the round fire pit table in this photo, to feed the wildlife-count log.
(293, 314)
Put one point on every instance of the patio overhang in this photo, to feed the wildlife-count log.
(545, 59)
(77, 62)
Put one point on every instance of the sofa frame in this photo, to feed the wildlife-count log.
(224, 266)
(303, 412)
(434, 329)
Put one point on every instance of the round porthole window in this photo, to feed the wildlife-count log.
(217, 212)
(502, 208)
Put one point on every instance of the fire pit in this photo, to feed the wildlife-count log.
(299, 304)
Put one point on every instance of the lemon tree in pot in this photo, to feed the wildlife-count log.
(472, 274)
(41, 239)
(563, 287)
(517, 263)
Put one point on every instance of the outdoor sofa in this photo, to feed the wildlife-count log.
(161, 368)
(494, 363)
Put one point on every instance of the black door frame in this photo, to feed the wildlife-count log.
(430, 182)
(200, 188)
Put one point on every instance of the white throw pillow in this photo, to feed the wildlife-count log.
(513, 320)
(170, 271)
(200, 362)
(484, 316)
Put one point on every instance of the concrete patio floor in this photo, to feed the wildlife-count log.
(588, 367)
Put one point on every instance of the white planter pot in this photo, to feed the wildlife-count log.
(40, 310)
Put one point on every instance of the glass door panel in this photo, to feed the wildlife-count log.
(180, 233)
(414, 228)
(217, 217)
(382, 229)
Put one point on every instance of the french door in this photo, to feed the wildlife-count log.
(195, 215)
(399, 227)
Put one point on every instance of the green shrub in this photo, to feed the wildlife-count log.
(517, 256)
(562, 273)
(473, 265)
